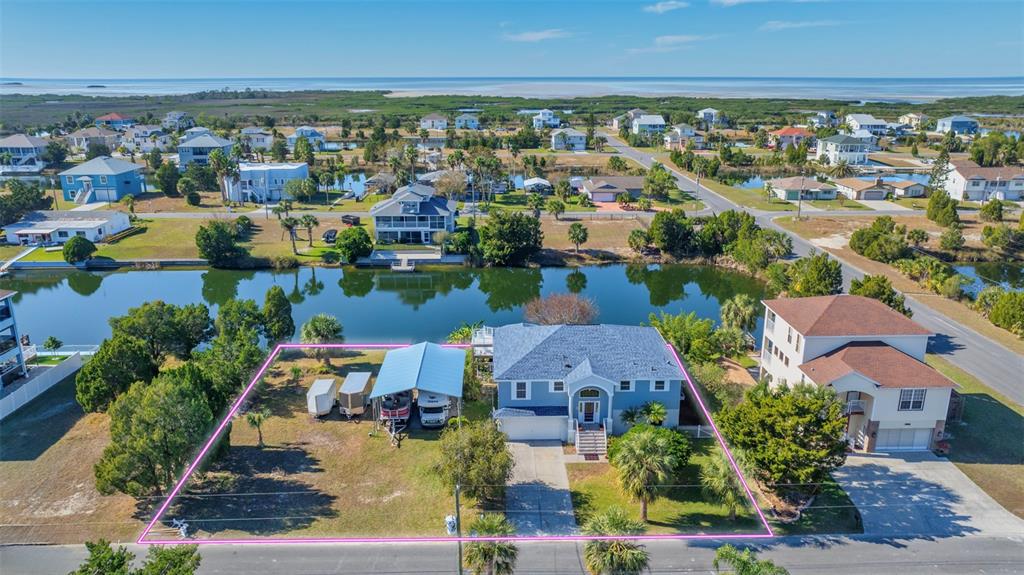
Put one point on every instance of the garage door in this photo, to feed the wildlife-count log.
(903, 439)
(874, 195)
(539, 427)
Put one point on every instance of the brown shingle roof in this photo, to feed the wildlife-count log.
(881, 363)
(843, 315)
(970, 169)
(857, 184)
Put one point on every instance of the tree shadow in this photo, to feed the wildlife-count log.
(38, 426)
(536, 508)
(942, 344)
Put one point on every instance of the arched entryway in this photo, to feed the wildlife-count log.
(590, 406)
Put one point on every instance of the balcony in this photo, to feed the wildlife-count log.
(854, 407)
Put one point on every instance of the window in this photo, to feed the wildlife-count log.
(798, 342)
(557, 387)
(768, 345)
(785, 359)
(69, 179)
(771, 316)
(590, 393)
(789, 334)
(659, 385)
(521, 391)
(103, 179)
(911, 400)
(62, 234)
(625, 386)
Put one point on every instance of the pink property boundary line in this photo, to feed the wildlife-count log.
(305, 541)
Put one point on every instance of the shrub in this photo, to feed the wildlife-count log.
(243, 226)
(1008, 312)
(284, 262)
(193, 198)
(881, 241)
(679, 446)
(78, 249)
(992, 211)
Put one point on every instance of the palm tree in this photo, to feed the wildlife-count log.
(536, 203)
(654, 412)
(491, 557)
(129, 202)
(718, 480)
(309, 222)
(320, 329)
(578, 234)
(614, 556)
(841, 170)
(644, 461)
(555, 207)
(256, 419)
(769, 192)
(740, 312)
(278, 211)
(745, 562)
(289, 225)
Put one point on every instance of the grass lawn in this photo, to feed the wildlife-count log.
(47, 488)
(836, 205)
(680, 199)
(988, 446)
(318, 478)
(912, 203)
(683, 510)
(47, 360)
(517, 201)
(744, 197)
(8, 251)
(832, 512)
(604, 235)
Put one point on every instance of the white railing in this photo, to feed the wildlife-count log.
(574, 431)
(28, 352)
(483, 336)
(854, 406)
(39, 383)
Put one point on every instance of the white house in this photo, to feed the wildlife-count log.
(844, 148)
(627, 119)
(913, 119)
(197, 148)
(57, 227)
(82, 139)
(967, 181)
(710, 117)
(12, 356)
(568, 139)
(26, 154)
(871, 356)
(312, 135)
(957, 125)
(823, 119)
(867, 122)
(545, 119)
(264, 182)
(257, 138)
(679, 136)
(647, 124)
(467, 122)
(145, 137)
(175, 121)
(433, 122)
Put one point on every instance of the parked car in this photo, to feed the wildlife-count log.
(330, 236)
(350, 220)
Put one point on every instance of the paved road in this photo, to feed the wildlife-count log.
(834, 555)
(998, 367)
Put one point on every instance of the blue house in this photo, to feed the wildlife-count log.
(958, 125)
(312, 135)
(114, 121)
(102, 179)
(556, 379)
(197, 148)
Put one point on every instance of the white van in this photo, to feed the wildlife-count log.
(435, 409)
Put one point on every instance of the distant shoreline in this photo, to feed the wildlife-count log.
(911, 90)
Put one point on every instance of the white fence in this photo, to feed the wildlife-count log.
(38, 384)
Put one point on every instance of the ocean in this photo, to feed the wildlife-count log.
(856, 89)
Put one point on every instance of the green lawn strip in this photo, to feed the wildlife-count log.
(744, 360)
(744, 197)
(837, 205)
(594, 487)
(912, 203)
(42, 255)
(988, 445)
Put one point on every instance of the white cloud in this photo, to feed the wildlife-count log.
(779, 25)
(664, 44)
(738, 2)
(666, 6)
(538, 35)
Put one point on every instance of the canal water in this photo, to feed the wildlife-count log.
(372, 305)
(1006, 275)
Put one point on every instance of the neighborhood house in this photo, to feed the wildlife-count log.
(789, 136)
(867, 122)
(545, 119)
(799, 187)
(568, 139)
(102, 179)
(114, 121)
(413, 214)
(433, 122)
(858, 189)
(57, 227)
(648, 124)
(607, 189)
(257, 138)
(177, 121)
(842, 148)
(197, 148)
(871, 356)
(26, 154)
(467, 122)
(957, 125)
(145, 138)
(967, 181)
(12, 356)
(626, 120)
(263, 182)
(680, 136)
(312, 135)
(92, 136)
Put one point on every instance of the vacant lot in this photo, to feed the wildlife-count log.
(47, 492)
(316, 478)
(603, 234)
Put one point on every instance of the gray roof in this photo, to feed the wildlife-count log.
(92, 132)
(433, 117)
(570, 352)
(205, 140)
(466, 117)
(567, 132)
(69, 215)
(429, 204)
(650, 119)
(22, 141)
(102, 166)
(254, 130)
(957, 119)
(843, 139)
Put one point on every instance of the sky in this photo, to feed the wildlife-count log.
(527, 38)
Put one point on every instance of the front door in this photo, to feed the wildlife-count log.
(588, 411)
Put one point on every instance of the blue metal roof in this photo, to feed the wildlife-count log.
(355, 382)
(424, 366)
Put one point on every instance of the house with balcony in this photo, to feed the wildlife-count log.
(82, 139)
(627, 119)
(967, 181)
(842, 148)
(177, 121)
(434, 122)
(51, 227)
(795, 188)
(197, 148)
(265, 182)
(312, 135)
(25, 155)
(467, 122)
(102, 179)
(913, 120)
(957, 124)
(114, 121)
(545, 119)
(257, 138)
(413, 215)
(648, 124)
(789, 136)
(680, 136)
(823, 119)
(12, 355)
(876, 126)
(568, 139)
(871, 356)
(144, 138)
(711, 117)
(572, 383)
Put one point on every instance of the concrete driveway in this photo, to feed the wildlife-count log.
(884, 206)
(537, 500)
(920, 494)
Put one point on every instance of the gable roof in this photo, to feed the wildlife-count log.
(957, 119)
(112, 117)
(883, 364)
(428, 203)
(568, 132)
(466, 116)
(843, 315)
(92, 132)
(969, 169)
(903, 184)
(556, 352)
(799, 183)
(857, 184)
(615, 183)
(425, 366)
(792, 131)
(650, 119)
(843, 139)
(205, 140)
(102, 166)
(22, 141)
(864, 119)
(433, 117)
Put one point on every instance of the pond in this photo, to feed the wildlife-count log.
(919, 178)
(373, 305)
(983, 274)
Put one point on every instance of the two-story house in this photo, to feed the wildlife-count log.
(913, 120)
(876, 126)
(627, 119)
(957, 125)
(789, 136)
(545, 119)
(143, 138)
(257, 138)
(197, 148)
(177, 121)
(871, 356)
(434, 122)
(710, 117)
(82, 139)
(568, 139)
(12, 356)
(312, 135)
(967, 181)
(102, 179)
(467, 122)
(681, 136)
(25, 154)
(823, 119)
(265, 182)
(114, 121)
(555, 380)
(413, 214)
(842, 148)
(647, 124)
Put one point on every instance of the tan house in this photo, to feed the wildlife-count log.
(82, 139)
(858, 189)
